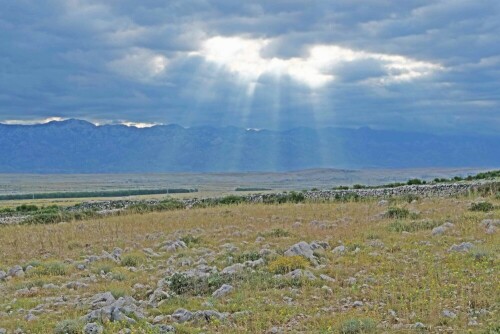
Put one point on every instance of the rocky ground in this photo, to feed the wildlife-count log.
(369, 266)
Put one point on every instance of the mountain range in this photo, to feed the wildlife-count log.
(76, 146)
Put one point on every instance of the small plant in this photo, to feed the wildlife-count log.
(248, 256)
(69, 327)
(118, 276)
(399, 213)
(183, 284)
(277, 233)
(104, 268)
(132, 260)
(355, 326)
(190, 240)
(286, 264)
(414, 226)
(118, 292)
(482, 206)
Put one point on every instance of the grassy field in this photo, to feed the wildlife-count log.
(393, 275)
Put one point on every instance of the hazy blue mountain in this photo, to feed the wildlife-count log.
(76, 146)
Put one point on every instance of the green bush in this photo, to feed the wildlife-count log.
(118, 292)
(358, 326)
(132, 260)
(7, 210)
(414, 226)
(182, 284)
(69, 327)
(482, 206)
(27, 208)
(231, 199)
(190, 240)
(399, 213)
(415, 182)
(248, 256)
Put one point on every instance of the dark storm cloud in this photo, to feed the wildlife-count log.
(148, 61)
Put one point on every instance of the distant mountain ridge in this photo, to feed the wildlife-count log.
(76, 146)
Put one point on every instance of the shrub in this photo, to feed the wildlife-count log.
(286, 264)
(482, 206)
(358, 186)
(248, 256)
(414, 226)
(183, 284)
(415, 182)
(7, 210)
(231, 199)
(27, 208)
(292, 197)
(69, 327)
(118, 292)
(190, 240)
(355, 326)
(132, 260)
(399, 213)
(104, 268)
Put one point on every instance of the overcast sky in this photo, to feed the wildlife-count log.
(412, 65)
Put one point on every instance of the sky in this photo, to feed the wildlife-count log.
(413, 65)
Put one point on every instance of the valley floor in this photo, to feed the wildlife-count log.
(341, 267)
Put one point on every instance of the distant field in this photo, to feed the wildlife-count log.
(90, 194)
(217, 182)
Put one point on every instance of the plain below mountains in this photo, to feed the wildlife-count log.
(76, 146)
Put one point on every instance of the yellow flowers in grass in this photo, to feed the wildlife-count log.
(286, 264)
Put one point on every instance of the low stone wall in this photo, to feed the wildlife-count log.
(431, 190)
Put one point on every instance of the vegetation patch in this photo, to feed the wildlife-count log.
(165, 205)
(412, 226)
(132, 260)
(49, 269)
(482, 206)
(286, 264)
(247, 256)
(69, 327)
(183, 284)
(191, 240)
(358, 326)
(276, 233)
(397, 213)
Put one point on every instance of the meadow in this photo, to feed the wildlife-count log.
(371, 266)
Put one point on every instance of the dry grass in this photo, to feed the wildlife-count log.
(412, 274)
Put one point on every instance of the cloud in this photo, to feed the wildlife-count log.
(140, 64)
(421, 65)
(318, 68)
